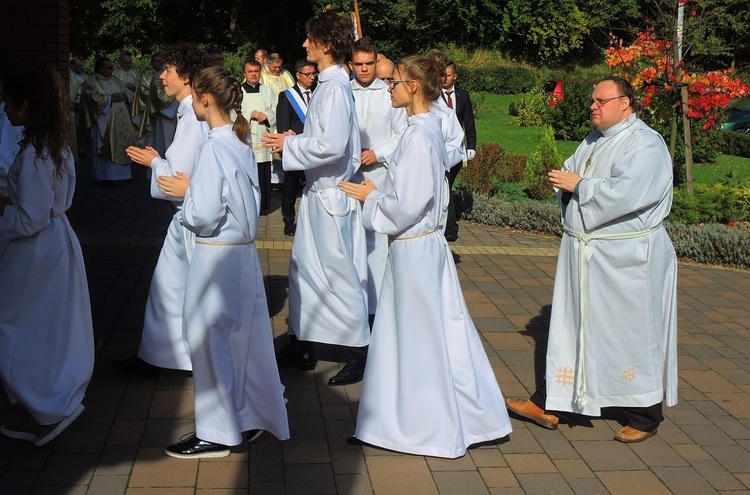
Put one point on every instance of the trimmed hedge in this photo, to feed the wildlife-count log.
(703, 243)
(499, 80)
(735, 143)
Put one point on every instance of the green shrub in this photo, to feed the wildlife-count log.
(477, 103)
(571, 117)
(735, 143)
(712, 243)
(706, 144)
(531, 110)
(705, 243)
(490, 167)
(543, 159)
(716, 203)
(509, 80)
(529, 216)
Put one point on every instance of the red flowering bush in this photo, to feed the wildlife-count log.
(649, 65)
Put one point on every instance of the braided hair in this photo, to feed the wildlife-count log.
(226, 91)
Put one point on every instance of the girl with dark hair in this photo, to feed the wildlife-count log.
(428, 386)
(225, 314)
(46, 334)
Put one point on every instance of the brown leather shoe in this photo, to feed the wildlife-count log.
(631, 435)
(529, 410)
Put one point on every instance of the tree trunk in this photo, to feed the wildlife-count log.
(688, 143)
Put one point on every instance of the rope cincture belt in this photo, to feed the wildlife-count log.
(240, 243)
(580, 397)
(352, 202)
(405, 237)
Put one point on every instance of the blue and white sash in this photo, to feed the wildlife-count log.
(298, 104)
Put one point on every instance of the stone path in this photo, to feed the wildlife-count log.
(116, 447)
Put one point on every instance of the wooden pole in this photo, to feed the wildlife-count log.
(359, 21)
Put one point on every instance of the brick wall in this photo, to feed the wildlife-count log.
(37, 32)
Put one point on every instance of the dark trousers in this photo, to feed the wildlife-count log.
(264, 177)
(640, 418)
(451, 223)
(289, 191)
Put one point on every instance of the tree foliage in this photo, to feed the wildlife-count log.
(543, 32)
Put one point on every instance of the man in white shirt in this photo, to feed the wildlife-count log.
(380, 129)
(259, 108)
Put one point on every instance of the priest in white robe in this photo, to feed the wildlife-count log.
(123, 71)
(613, 328)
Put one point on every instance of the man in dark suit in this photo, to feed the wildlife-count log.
(458, 99)
(291, 111)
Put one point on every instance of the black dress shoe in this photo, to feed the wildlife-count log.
(290, 228)
(295, 356)
(195, 448)
(135, 366)
(352, 372)
(451, 237)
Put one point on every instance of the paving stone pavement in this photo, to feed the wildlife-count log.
(116, 447)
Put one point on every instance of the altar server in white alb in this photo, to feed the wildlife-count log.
(428, 387)
(162, 343)
(328, 268)
(46, 334)
(613, 327)
(226, 321)
(380, 129)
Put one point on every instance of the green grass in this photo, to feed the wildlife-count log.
(494, 126)
(726, 166)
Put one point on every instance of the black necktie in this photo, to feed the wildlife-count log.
(307, 98)
(249, 88)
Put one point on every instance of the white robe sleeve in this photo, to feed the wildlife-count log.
(384, 152)
(411, 192)
(326, 145)
(35, 197)
(180, 157)
(452, 132)
(205, 200)
(638, 181)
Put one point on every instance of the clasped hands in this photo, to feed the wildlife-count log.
(358, 191)
(174, 186)
(564, 180)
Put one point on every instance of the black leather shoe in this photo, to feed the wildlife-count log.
(451, 237)
(195, 448)
(352, 372)
(290, 228)
(295, 356)
(135, 366)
